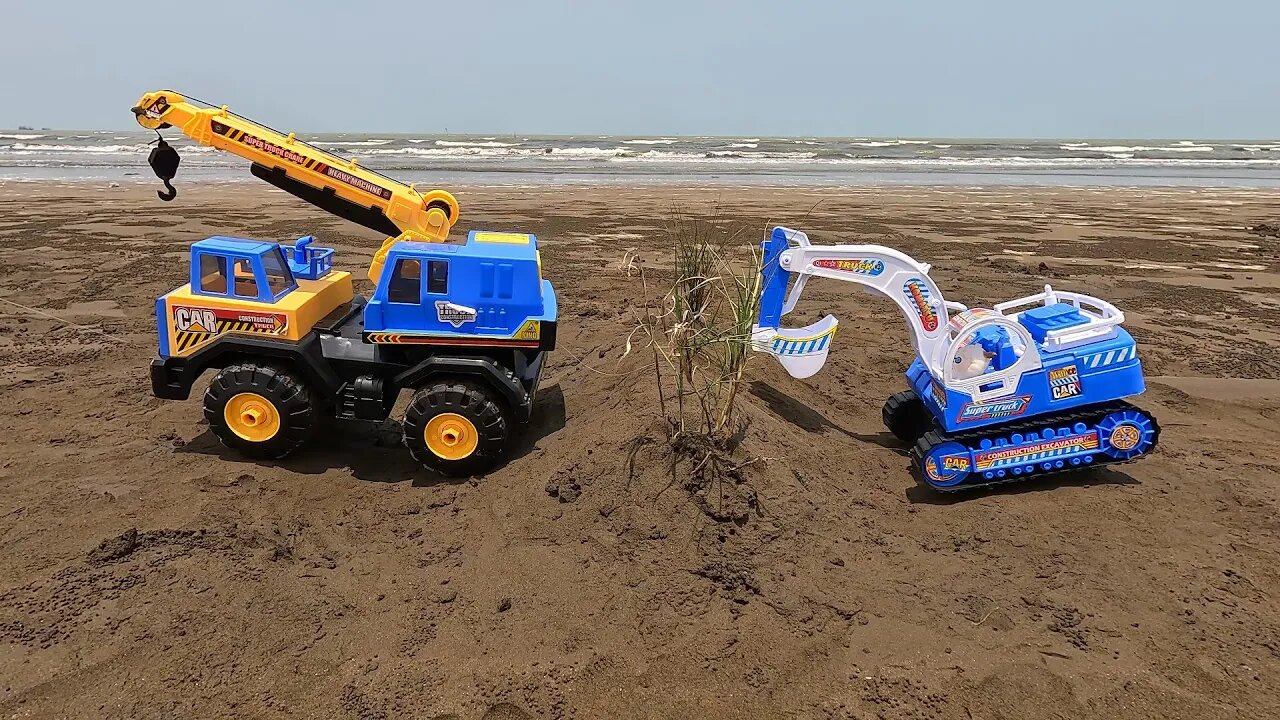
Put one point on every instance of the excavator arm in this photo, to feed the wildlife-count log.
(947, 345)
(326, 180)
(878, 269)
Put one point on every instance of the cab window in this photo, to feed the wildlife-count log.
(438, 277)
(246, 283)
(213, 274)
(406, 282)
(279, 278)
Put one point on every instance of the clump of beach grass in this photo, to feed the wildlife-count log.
(697, 325)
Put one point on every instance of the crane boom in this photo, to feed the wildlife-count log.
(320, 177)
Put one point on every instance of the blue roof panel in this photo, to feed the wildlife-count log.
(223, 244)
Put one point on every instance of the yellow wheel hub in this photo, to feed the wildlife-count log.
(252, 417)
(451, 436)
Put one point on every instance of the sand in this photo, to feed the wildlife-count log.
(146, 572)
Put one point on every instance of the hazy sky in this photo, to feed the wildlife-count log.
(926, 68)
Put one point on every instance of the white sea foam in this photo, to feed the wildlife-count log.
(28, 147)
(1184, 146)
(7, 136)
(474, 143)
(1086, 147)
(717, 156)
(350, 143)
(473, 151)
(646, 141)
(744, 145)
(889, 143)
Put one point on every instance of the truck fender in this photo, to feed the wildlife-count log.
(486, 370)
(172, 377)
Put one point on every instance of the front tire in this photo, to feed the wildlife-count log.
(456, 428)
(259, 411)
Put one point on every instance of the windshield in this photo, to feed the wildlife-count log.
(278, 275)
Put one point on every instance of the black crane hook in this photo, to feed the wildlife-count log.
(164, 161)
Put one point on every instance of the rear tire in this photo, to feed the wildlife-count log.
(456, 428)
(906, 416)
(259, 411)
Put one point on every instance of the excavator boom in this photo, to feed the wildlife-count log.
(326, 180)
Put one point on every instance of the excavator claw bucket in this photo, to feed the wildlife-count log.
(802, 351)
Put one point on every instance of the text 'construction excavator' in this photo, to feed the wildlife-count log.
(466, 328)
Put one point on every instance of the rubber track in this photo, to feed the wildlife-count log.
(1090, 416)
(920, 422)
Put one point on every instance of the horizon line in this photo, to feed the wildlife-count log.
(677, 136)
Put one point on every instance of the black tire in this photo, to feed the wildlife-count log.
(906, 416)
(919, 449)
(475, 403)
(291, 399)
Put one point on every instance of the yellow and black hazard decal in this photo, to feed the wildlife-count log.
(530, 330)
(297, 158)
(194, 326)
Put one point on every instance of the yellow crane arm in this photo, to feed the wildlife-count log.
(326, 180)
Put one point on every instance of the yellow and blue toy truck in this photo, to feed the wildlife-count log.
(464, 328)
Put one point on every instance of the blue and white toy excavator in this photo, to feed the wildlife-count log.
(1026, 388)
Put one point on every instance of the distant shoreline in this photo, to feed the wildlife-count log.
(119, 156)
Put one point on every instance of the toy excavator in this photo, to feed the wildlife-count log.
(465, 328)
(1031, 387)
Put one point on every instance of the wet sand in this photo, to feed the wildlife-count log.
(147, 572)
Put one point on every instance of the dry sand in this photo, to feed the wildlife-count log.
(145, 572)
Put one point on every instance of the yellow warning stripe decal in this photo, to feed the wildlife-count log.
(190, 339)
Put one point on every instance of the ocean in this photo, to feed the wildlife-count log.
(625, 159)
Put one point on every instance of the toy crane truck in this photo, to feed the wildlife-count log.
(465, 328)
(1030, 387)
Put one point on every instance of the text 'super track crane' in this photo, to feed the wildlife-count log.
(464, 328)
(328, 181)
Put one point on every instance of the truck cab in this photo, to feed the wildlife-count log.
(488, 291)
(249, 288)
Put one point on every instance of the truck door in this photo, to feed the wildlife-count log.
(413, 290)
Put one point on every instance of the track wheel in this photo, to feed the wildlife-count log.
(906, 416)
(259, 411)
(456, 428)
(1128, 433)
(941, 462)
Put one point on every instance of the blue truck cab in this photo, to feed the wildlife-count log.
(488, 291)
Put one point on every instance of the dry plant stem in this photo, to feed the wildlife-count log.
(649, 322)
